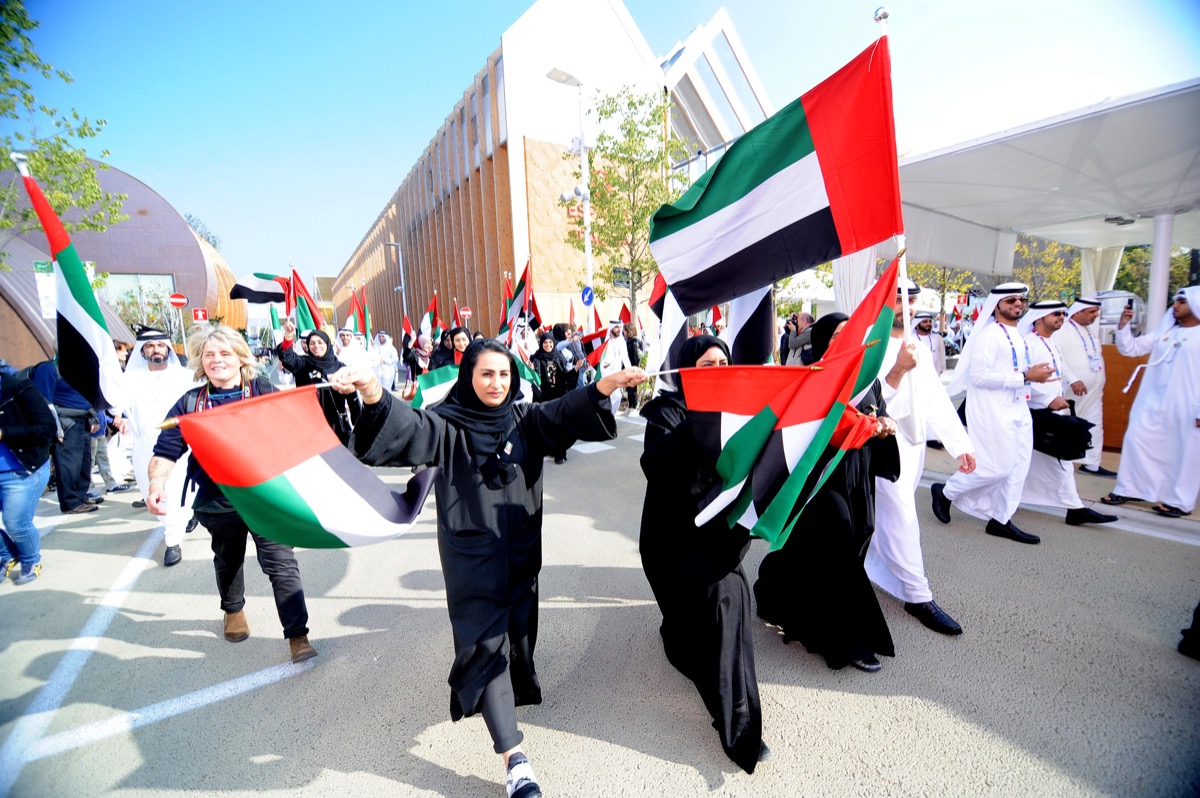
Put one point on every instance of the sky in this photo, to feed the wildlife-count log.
(286, 127)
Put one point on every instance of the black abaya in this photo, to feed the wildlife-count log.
(815, 588)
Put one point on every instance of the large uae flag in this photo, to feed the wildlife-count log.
(87, 359)
(260, 288)
(816, 181)
(299, 486)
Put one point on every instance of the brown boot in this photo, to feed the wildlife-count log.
(236, 627)
(301, 648)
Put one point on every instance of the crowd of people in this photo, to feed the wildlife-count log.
(861, 527)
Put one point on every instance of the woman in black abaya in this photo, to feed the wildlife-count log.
(489, 516)
(696, 573)
(341, 412)
(815, 587)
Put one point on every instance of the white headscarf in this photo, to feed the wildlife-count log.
(1037, 311)
(137, 361)
(987, 317)
(1083, 303)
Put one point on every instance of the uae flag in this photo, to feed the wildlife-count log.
(672, 334)
(308, 315)
(260, 289)
(751, 331)
(870, 321)
(431, 325)
(302, 487)
(520, 298)
(593, 346)
(816, 181)
(432, 386)
(771, 425)
(87, 359)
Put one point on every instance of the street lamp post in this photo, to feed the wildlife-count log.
(400, 268)
(582, 191)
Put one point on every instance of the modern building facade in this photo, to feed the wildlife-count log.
(152, 254)
(483, 198)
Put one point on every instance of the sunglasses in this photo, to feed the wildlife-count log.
(1057, 313)
(1012, 300)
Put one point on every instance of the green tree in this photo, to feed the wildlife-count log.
(149, 305)
(631, 178)
(50, 139)
(1133, 274)
(1050, 269)
(941, 280)
(201, 229)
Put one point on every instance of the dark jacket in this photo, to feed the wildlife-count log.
(26, 423)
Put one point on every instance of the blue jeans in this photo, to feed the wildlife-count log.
(19, 494)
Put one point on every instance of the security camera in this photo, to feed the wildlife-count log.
(566, 196)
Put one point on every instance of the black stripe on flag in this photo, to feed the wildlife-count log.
(256, 297)
(398, 508)
(801, 245)
(81, 370)
(754, 338)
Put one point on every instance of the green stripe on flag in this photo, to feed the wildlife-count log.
(276, 510)
(753, 159)
(75, 276)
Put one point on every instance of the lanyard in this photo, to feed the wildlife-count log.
(1028, 360)
(204, 400)
(1053, 359)
(929, 340)
(1090, 339)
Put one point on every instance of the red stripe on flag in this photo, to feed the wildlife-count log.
(743, 390)
(301, 432)
(850, 117)
(56, 234)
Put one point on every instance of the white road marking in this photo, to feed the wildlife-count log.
(36, 718)
(129, 721)
(590, 448)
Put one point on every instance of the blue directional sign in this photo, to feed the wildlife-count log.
(588, 297)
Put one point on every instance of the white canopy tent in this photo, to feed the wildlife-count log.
(1122, 173)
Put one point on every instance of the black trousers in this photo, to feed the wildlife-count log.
(229, 533)
(73, 461)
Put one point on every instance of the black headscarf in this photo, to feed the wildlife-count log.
(486, 428)
(541, 353)
(822, 332)
(327, 363)
(668, 409)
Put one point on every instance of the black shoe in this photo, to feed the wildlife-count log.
(935, 445)
(933, 617)
(520, 781)
(867, 664)
(1099, 471)
(172, 556)
(1086, 515)
(1011, 532)
(941, 505)
(139, 505)
(191, 525)
(764, 753)
(94, 500)
(559, 460)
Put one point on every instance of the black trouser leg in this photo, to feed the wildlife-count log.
(278, 562)
(73, 464)
(500, 714)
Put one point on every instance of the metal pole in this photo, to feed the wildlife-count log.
(587, 193)
(1160, 269)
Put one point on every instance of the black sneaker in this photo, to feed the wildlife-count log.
(941, 505)
(521, 782)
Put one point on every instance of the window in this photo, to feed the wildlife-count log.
(724, 109)
(500, 112)
(474, 130)
(737, 77)
(487, 117)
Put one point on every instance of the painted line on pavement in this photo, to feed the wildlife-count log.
(129, 721)
(36, 718)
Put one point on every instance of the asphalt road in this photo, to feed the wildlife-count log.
(115, 680)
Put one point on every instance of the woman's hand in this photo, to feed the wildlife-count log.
(156, 498)
(886, 428)
(289, 330)
(359, 378)
(625, 378)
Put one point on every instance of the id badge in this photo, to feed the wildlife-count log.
(1096, 362)
(1022, 394)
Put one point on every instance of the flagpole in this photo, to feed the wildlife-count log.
(881, 18)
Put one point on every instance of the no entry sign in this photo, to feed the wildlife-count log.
(177, 300)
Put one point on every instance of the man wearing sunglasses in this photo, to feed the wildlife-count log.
(1050, 481)
(996, 368)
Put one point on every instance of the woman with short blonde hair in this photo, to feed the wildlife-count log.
(226, 336)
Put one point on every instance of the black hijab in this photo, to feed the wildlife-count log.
(486, 428)
(669, 408)
(327, 363)
(541, 353)
(822, 333)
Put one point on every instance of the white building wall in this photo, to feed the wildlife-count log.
(594, 40)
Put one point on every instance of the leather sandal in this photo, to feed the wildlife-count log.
(1167, 510)
(1113, 499)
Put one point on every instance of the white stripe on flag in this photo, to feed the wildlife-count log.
(796, 439)
(673, 320)
(98, 339)
(343, 513)
(788, 196)
(723, 500)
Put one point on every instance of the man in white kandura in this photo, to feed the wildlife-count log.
(1160, 457)
(928, 339)
(1050, 481)
(918, 403)
(154, 380)
(996, 370)
(1083, 358)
